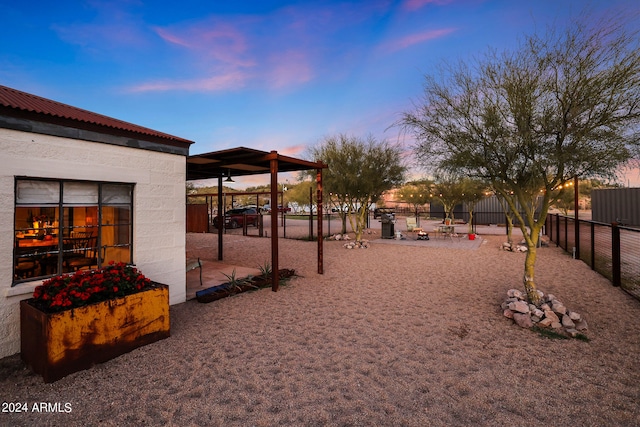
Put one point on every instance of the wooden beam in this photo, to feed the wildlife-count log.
(319, 209)
(220, 218)
(275, 273)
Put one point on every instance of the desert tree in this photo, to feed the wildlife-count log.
(416, 194)
(359, 170)
(563, 104)
(473, 191)
(448, 191)
(566, 202)
(297, 195)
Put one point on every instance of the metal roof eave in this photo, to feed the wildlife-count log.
(243, 161)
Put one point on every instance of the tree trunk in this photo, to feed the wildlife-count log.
(509, 230)
(529, 263)
(343, 217)
(360, 222)
(529, 285)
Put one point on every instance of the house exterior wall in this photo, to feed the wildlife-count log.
(159, 208)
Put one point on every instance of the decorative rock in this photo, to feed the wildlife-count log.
(514, 293)
(552, 316)
(567, 322)
(538, 313)
(357, 245)
(546, 322)
(574, 316)
(557, 307)
(552, 313)
(519, 306)
(523, 320)
(581, 325)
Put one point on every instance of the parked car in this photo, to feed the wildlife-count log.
(234, 218)
(378, 212)
(267, 209)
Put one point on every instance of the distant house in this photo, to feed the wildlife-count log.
(65, 172)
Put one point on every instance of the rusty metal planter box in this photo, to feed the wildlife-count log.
(57, 344)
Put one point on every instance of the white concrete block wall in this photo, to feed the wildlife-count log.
(159, 209)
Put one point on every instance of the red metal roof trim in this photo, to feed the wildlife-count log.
(15, 99)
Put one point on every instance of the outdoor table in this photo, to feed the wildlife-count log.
(446, 230)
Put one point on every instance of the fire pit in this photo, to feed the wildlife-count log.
(423, 235)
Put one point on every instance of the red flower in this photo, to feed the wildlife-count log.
(88, 286)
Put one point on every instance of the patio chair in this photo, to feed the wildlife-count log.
(80, 252)
(411, 223)
(25, 267)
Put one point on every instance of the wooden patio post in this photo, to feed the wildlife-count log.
(220, 218)
(319, 209)
(275, 274)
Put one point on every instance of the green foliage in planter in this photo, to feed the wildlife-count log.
(265, 270)
(236, 285)
(85, 287)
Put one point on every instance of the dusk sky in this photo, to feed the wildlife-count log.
(269, 75)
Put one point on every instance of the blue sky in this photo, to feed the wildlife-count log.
(269, 75)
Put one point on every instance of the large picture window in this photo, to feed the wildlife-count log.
(64, 226)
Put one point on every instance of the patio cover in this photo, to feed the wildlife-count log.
(243, 161)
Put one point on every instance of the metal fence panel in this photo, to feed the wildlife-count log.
(571, 235)
(603, 256)
(629, 259)
(600, 250)
(586, 243)
(561, 229)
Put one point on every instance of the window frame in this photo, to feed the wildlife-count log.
(61, 207)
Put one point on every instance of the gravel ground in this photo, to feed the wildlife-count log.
(392, 335)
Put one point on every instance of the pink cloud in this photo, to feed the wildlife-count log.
(230, 81)
(412, 5)
(413, 39)
(218, 41)
(289, 68)
(283, 49)
(293, 151)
